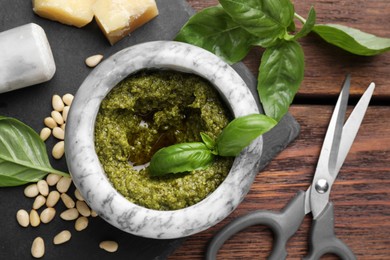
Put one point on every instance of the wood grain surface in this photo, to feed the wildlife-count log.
(361, 193)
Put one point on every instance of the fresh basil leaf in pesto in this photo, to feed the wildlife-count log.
(240, 132)
(280, 75)
(352, 40)
(181, 157)
(268, 20)
(23, 155)
(214, 30)
(308, 25)
(207, 140)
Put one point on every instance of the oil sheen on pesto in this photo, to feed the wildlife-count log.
(150, 110)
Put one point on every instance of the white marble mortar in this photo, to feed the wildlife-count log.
(88, 175)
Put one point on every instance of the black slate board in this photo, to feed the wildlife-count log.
(70, 47)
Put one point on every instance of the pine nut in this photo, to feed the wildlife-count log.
(38, 248)
(49, 122)
(52, 199)
(43, 188)
(23, 218)
(31, 191)
(93, 214)
(58, 150)
(57, 117)
(78, 195)
(63, 126)
(34, 218)
(52, 179)
(70, 214)
(67, 98)
(58, 133)
(81, 223)
(62, 237)
(45, 133)
(67, 200)
(109, 246)
(39, 202)
(65, 113)
(83, 208)
(63, 184)
(47, 215)
(57, 103)
(94, 60)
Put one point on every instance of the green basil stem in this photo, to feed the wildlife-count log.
(300, 18)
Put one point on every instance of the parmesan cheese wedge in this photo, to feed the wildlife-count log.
(118, 18)
(71, 12)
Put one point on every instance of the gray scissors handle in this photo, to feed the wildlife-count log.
(283, 226)
(323, 239)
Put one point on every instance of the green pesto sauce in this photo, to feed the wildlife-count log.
(150, 110)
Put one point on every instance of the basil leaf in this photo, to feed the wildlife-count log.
(23, 156)
(281, 73)
(207, 140)
(266, 19)
(215, 31)
(308, 25)
(240, 132)
(180, 158)
(352, 40)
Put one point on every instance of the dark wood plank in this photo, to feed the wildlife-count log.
(327, 65)
(361, 193)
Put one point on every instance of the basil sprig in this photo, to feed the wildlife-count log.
(23, 155)
(230, 30)
(184, 157)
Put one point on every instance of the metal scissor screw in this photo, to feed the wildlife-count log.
(321, 186)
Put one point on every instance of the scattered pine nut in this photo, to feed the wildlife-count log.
(47, 215)
(94, 60)
(52, 179)
(57, 117)
(83, 208)
(70, 214)
(49, 122)
(63, 184)
(52, 199)
(63, 126)
(67, 200)
(65, 113)
(58, 150)
(39, 201)
(34, 218)
(58, 133)
(38, 247)
(23, 218)
(57, 103)
(81, 223)
(109, 246)
(45, 133)
(43, 188)
(62, 237)
(78, 195)
(67, 98)
(31, 191)
(93, 214)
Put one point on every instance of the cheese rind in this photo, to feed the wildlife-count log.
(71, 12)
(118, 18)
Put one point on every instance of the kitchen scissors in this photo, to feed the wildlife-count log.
(284, 224)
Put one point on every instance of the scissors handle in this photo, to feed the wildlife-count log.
(283, 226)
(323, 239)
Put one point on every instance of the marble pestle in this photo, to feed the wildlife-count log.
(25, 57)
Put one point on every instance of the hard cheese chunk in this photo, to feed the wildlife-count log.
(118, 18)
(72, 12)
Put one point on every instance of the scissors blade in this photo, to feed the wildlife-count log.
(319, 197)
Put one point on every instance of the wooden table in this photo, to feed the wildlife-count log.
(361, 193)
